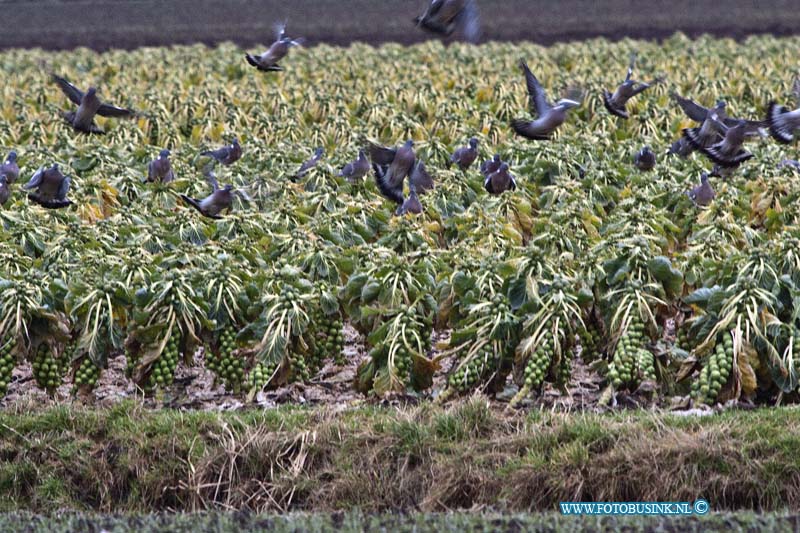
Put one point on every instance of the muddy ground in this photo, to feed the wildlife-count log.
(103, 24)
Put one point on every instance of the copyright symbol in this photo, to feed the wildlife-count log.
(700, 507)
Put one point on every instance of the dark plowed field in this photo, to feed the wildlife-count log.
(104, 24)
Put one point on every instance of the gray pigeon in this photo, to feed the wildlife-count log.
(51, 188)
(681, 148)
(219, 200)
(491, 165)
(356, 170)
(728, 152)
(5, 192)
(702, 194)
(464, 157)
(160, 170)
(227, 155)
(9, 168)
(615, 103)
(711, 130)
(309, 164)
(411, 204)
(420, 179)
(446, 17)
(268, 61)
(782, 122)
(645, 159)
(549, 117)
(392, 165)
(89, 105)
(500, 181)
(791, 163)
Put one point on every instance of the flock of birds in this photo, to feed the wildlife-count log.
(717, 136)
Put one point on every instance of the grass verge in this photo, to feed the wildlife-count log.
(469, 456)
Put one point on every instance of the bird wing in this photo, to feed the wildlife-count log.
(108, 110)
(280, 30)
(72, 92)
(630, 67)
(381, 155)
(468, 22)
(537, 98)
(36, 180)
(63, 189)
(392, 193)
(530, 130)
(693, 110)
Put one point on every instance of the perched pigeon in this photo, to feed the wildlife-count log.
(393, 164)
(227, 155)
(268, 61)
(160, 170)
(645, 159)
(411, 204)
(51, 188)
(782, 122)
(681, 148)
(500, 181)
(615, 103)
(216, 202)
(9, 168)
(549, 117)
(356, 170)
(446, 17)
(487, 167)
(394, 192)
(309, 164)
(420, 179)
(464, 157)
(89, 105)
(4, 190)
(702, 194)
(728, 152)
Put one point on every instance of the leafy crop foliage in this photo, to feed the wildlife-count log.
(605, 262)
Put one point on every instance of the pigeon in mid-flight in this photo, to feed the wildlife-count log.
(309, 164)
(356, 170)
(89, 105)
(500, 181)
(219, 200)
(268, 61)
(448, 17)
(645, 159)
(227, 155)
(465, 156)
(549, 117)
(9, 168)
(160, 170)
(727, 152)
(713, 122)
(615, 103)
(782, 122)
(51, 188)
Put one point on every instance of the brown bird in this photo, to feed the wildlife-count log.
(268, 61)
(89, 105)
(464, 157)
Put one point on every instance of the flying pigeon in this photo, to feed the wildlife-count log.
(728, 152)
(356, 170)
(51, 188)
(309, 164)
(227, 155)
(702, 194)
(645, 159)
(9, 168)
(464, 157)
(500, 181)
(394, 193)
(160, 170)
(89, 105)
(4, 190)
(219, 200)
(446, 17)
(782, 122)
(393, 164)
(615, 103)
(549, 117)
(268, 61)
(491, 165)
(710, 131)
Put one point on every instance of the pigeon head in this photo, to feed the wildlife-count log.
(721, 104)
(235, 141)
(646, 150)
(228, 188)
(496, 158)
(473, 143)
(704, 178)
(91, 92)
(409, 143)
(163, 154)
(503, 168)
(12, 156)
(54, 168)
(319, 151)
